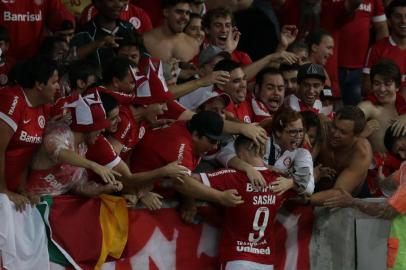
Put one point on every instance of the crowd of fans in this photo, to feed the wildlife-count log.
(300, 100)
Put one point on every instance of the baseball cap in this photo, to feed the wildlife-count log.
(207, 123)
(208, 53)
(209, 95)
(311, 70)
(327, 94)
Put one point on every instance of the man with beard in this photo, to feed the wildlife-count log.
(392, 47)
(270, 91)
(169, 41)
(346, 152)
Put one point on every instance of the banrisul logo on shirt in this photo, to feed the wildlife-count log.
(22, 17)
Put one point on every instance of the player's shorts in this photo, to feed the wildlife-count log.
(245, 265)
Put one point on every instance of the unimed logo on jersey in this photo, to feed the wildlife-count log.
(24, 17)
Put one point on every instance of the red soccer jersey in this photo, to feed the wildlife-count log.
(26, 21)
(28, 124)
(241, 111)
(150, 154)
(133, 14)
(129, 131)
(259, 110)
(387, 48)
(102, 153)
(175, 109)
(354, 36)
(247, 228)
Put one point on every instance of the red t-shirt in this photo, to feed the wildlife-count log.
(26, 21)
(259, 110)
(133, 14)
(129, 131)
(28, 124)
(387, 48)
(354, 36)
(241, 111)
(175, 109)
(102, 153)
(247, 228)
(162, 146)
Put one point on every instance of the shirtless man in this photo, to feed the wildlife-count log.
(384, 103)
(346, 153)
(169, 41)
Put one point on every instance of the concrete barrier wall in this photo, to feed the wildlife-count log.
(347, 239)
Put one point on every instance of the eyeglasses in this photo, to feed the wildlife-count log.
(295, 132)
(212, 141)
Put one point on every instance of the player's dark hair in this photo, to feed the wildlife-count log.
(108, 101)
(215, 13)
(172, 3)
(388, 70)
(48, 44)
(298, 45)
(311, 119)
(118, 68)
(287, 67)
(246, 143)
(259, 79)
(38, 69)
(392, 5)
(355, 114)
(315, 37)
(226, 65)
(81, 70)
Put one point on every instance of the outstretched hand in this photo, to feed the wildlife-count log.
(342, 200)
(399, 126)
(255, 132)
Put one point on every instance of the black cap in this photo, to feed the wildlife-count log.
(327, 94)
(207, 123)
(311, 70)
